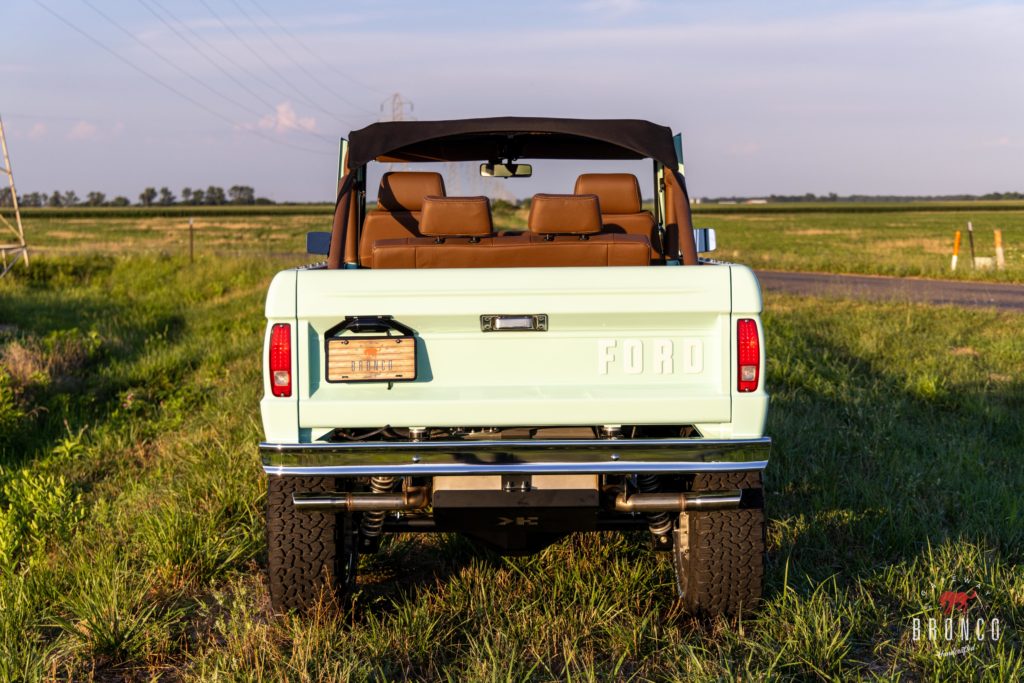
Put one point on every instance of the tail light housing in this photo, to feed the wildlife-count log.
(748, 347)
(280, 360)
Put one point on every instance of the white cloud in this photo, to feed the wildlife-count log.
(37, 130)
(744, 149)
(83, 130)
(613, 7)
(1001, 142)
(285, 119)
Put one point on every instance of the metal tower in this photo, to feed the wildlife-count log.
(398, 107)
(11, 252)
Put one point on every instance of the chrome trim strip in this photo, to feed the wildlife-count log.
(568, 456)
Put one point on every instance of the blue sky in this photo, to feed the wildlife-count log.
(783, 97)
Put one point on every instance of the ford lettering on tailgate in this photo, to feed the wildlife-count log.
(655, 356)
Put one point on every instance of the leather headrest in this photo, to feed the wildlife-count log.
(617, 192)
(565, 214)
(456, 217)
(405, 190)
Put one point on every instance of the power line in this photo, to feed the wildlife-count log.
(270, 67)
(315, 56)
(226, 57)
(165, 60)
(171, 88)
(224, 71)
(297, 63)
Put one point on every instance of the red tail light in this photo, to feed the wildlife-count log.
(748, 348)
(281, 360)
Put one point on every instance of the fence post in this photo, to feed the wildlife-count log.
(970, 238)
(191, 242)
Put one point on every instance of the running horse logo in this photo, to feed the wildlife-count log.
(951, 600)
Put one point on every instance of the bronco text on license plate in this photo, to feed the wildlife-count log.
(377, 359)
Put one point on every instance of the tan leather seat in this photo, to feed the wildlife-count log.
(564, 214)
(399, 203)
(621, 206)
(445, 217)
(519, 251)
(564, 231)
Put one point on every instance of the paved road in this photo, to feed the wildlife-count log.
(878, 288)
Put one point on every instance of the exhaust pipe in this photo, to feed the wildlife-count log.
(413, 499)
(678, 502)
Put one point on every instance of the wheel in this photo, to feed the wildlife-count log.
(309, 554)
(719, 554)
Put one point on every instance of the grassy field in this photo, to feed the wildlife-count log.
(881, 239)
(131, 538)
(213, 234)
(905, 243)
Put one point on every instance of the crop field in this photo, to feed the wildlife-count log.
(880, 239)
(131, 497)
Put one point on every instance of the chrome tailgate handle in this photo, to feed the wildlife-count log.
(537, 322)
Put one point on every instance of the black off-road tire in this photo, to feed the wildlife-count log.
(719, 554)
(307, 553)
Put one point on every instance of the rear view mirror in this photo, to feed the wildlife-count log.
(705, 239)
(506, 170)
(318, 243)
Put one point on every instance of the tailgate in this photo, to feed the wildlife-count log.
(622, 346)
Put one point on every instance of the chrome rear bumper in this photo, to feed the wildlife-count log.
(592, 456)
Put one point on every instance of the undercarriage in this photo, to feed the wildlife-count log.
(518, 490)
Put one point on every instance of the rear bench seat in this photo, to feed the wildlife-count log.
(399, 203)
(564, 230)
(621, 208)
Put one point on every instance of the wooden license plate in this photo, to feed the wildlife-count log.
(374, 359)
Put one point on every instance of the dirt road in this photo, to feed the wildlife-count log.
(877, 288)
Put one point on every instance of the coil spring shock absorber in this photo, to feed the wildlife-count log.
(373, 521)
(658, 523)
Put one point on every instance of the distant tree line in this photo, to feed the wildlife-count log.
(833, 197)
(211, 196)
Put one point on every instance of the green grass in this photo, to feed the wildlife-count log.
(214, 234)
(902, 243)
(863, 207)
(175, 211)
(911, 239)
(131, 539)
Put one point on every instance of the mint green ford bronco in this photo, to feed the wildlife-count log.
(590, 372)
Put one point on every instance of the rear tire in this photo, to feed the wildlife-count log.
(719, 554)
(309, 554)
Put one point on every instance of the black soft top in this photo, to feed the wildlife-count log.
(515, 137)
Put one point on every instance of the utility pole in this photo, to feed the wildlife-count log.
(10, 253)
